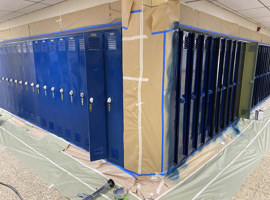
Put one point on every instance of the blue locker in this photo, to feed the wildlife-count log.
(78, 128)
(114, 95)
(96, 94)
(217, 69)
(203, 87)
(42, 69)
(197, 90)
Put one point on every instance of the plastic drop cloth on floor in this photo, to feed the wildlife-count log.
(215, 172)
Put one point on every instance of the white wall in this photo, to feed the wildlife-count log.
(219, 12)
(52, 11)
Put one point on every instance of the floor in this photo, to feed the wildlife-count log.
(257, 185)
(29, 185)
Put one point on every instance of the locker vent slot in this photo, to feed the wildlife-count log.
(52, 46)
(51, 125)
(198, 43)
(44, 47)
(60, 130)
(77, 137)
(93, 43)
(186, 44)
(115, 153)
(81, 43)
(62, 45)
(207, 43)
(24, 48)
(98, 150)
(30, 47)
(71, 45)
(112, 43)
(19, 48)
(44, 122)
(36, 47)
(68, 133)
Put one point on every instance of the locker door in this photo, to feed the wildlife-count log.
(96, 94)
(114, 94)
(78, 130)
(196, 89)
(204, 85)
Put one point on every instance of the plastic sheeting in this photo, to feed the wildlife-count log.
(226, 168)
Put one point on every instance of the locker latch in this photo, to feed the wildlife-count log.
(20, 82)
(91, 100)
(62, 91)
(82, 96)
(11, 81)
(71, 93)
(109, 101)
(182, 100)
(52, 89)
(37, 86)
(26, 85)
(15, 81)
(32, 85)
(45, 90)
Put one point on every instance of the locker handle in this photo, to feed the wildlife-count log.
(32, 84)
(182, 100)
(210, 92)
(6, 79)
(109, 100)
(16, 81)
(193, 97)
(82, 96)
(234, 84)
(223, 87)
(71, 93)
(11, 80)
(91, 100)
(202, 94)
(26, 83)
(3, 78)
(62, 96)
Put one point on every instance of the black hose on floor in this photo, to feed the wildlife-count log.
(13, 188)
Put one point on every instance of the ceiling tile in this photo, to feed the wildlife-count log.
(262, 19)
(12, 15)
(51, 2)
(13, 5)
(266, 2)
(4, 12)
(33, 8)
(241, 4)
(253, 13)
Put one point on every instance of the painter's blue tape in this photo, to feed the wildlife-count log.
(135, 11)
(162, 106)
(68, 31)
(160, 32)
(123, 27)
(217, 33)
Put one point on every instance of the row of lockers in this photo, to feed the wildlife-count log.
(69, 85)
(262, 76)
(208, 82)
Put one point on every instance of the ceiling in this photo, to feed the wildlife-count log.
(10, 9)
(257, 11)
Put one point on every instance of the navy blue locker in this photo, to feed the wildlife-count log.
(209, 88)
(224, 83)
(190, 91)
(96, 94)
(217, 68)
(230, 83)
(203, 88)
(197, 90)
(78, 129)
(1, 76)
(14, 77)
(42, 68)
(114, 95)
(62, 90)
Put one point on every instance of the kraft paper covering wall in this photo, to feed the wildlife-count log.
(19, 31)
(142, 84)
(45, 26)
(209, 22)
(4, 34)
(188, 16)
(229, 28)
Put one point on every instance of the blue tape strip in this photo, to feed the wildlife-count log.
(135, 11)
(160, 32)
(68, 31)
(162, 100)
(123, 27)
(217, 33)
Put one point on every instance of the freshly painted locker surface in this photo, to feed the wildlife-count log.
(96, 94)
(114, 95)
(78, 117)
